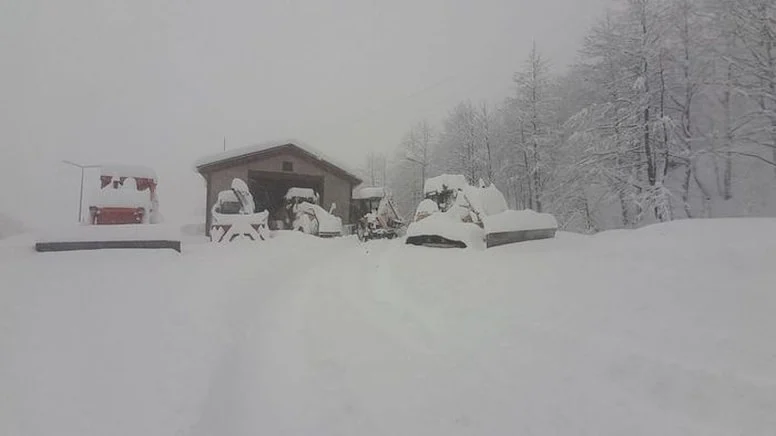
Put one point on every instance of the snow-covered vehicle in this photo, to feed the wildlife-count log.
(456, 214)
(307, 216)
(375, 214)
(127, 195)
(234, 216)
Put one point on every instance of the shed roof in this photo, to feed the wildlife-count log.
(257, 150)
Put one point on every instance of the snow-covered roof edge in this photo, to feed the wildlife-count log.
(268, 145)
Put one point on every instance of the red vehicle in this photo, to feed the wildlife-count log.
(127, 196)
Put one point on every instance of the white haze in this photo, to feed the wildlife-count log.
(162, 83)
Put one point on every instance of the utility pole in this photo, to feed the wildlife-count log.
(81, 193)
(385, 170)
(423, 166)
(224, 143)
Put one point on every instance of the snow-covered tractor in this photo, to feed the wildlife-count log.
(456, 214)
(234, 216)
(127, 195)
(375, 214)
(305, 215)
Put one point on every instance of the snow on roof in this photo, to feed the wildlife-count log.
(368, 192)
(301, 193)
(123, 170)
(443, 182)
(267, 145)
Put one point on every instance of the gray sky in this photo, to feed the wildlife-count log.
(162, 82)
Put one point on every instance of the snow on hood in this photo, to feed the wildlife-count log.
(448, 227)
(518, 220)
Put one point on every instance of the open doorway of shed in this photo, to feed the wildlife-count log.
(269, 189)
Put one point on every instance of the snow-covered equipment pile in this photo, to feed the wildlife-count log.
(127, 195)
(456, 214)
(124, 213)
(308, 217)
(234, 216)
(302, 194)
(376, 214)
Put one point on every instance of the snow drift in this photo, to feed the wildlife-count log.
(666, 330)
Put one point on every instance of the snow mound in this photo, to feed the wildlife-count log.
(492, 201)
(517, 220)
(117, 232)
(426, 207)
(448, 227)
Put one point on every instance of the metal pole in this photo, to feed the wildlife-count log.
(81, 198)
(81, 193)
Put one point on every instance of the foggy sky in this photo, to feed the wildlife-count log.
(163, 82)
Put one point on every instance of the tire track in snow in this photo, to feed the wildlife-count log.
(263, 379)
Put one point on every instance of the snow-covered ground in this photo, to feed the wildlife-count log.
(9, 226)
(667, 330)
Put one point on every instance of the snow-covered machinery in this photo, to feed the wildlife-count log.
(455, 214)
(307, 216)
(127, 195)
(234, 216)
(123, 213)
(375, 214)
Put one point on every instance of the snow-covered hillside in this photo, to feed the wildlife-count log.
(9, 226)
(667, 330)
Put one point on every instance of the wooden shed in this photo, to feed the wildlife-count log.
(270, 169)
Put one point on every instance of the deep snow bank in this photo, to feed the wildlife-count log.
(9, 226)
(663, 330)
